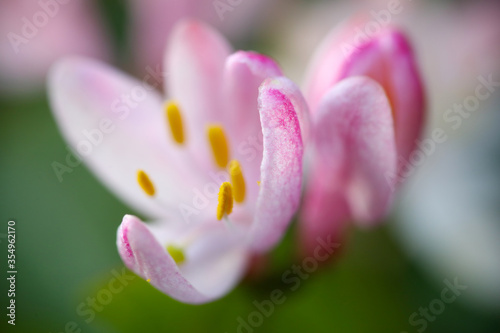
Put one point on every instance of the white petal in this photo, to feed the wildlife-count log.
(117, 125)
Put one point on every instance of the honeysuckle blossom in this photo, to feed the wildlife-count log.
(367, 104)
(217, 165)
(37, 33)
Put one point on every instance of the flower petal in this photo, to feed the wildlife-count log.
(244, 73)
(195, 61)
(354, 152)
(328, 60)
(283, 113)
(324, 213)
(116, 125)
(215, 262)
(387, 58)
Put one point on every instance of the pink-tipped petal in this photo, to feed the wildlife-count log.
(354, 151)
(386, 57)
(194, 62)
(283, 113)
(214, 261)
(329, 58)
(244, 73)
(389, 60)
(116, 125)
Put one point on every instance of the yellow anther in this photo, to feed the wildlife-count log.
(225, 206)
(174, 117)
(258, 182)
(237, 181)
(218, 142)
(145, 183)
(148, 280)
(176, 253)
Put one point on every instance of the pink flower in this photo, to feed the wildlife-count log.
(367, 107)
(37, 33)
(231, 132)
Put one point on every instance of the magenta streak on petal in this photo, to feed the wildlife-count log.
(260, 57)
(281, 168)
(260, 64)
(264, 60)
(125, 241)
(404, 47)
(291, 117)
(288, 119)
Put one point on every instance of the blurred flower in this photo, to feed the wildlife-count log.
(152, 21)
(40, 32)
(234, 126)
(454, 42)
(363, 127)
(37, 33)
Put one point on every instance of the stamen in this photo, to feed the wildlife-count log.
(148, 280)
(174, 117)
(177, 254)
(145, 183)
(237, 181)
(218, 142)
(225, 206)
